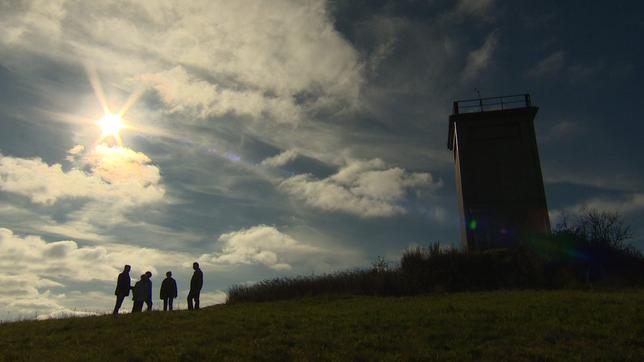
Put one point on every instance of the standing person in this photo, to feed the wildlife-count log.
(195, 286)
(122, 288)
(139, 293)
(168, 291)
(148, 292)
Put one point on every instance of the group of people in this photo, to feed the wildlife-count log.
(142, 290)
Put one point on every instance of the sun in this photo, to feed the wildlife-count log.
(110, 125)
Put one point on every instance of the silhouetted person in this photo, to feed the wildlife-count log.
(140, 293)
(168, 291)
(196, 282)
(122, 288)
(148, 295)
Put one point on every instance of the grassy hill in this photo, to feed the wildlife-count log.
(506, 325)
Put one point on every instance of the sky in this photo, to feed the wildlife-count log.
(282, 138)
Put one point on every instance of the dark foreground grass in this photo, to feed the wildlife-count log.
(500, 325)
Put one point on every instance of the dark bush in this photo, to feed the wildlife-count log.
(587, 249)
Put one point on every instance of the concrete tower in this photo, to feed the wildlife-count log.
(498, 174)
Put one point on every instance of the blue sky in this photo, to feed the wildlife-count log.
(284, 137)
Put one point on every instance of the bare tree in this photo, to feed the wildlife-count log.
(596, 226)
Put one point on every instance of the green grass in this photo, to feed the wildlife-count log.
(501, 325)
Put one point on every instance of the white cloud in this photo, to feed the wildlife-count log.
(280, 159)
(480, 58)
(209, 57)
(66, 260)
(118, 176)
(43, 17)
(45, 184)
(112, 181)
(632, 203)
(74, 152)
(262, 245)
(21, 295)
(184, 93)
(65, 313)
(217, 297)
(363, 188)
(32, 268)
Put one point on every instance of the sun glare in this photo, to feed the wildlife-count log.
(110, 125)
(112, 122)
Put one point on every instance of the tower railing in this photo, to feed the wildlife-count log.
(492, 103)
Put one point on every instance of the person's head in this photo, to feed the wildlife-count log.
(148, 274)
(195, 265)
(126, 268)
(168, 274)
(144, 276)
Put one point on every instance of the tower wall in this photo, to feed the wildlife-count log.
(498, 175)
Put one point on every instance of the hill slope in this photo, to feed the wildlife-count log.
(511, 325)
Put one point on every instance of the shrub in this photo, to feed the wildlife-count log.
(587, 248)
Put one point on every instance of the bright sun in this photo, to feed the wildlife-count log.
(110, 124)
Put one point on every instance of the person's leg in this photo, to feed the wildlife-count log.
(119, 302)
(197, 299)
(170, 303)
(190, 295)
(149, 304)
(165, 304)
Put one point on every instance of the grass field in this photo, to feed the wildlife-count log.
(501, 325)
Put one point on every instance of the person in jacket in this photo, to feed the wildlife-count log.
(168, 291)
(140, 293)
(196, 282)
(148, 295)
(122, 288)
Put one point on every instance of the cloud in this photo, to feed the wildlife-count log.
(117, 175)
(437, 214)
(218, 297)
(45, 184)
(184, 93)
(363, 188)
(21, 295)
(42, 18)
(562, 131)
(584, 72)
(127, 172)
(280, 159)
(212, 57)
(548, 66)
(66, 260)
(32, 268)
(479, 59)
(74, 152)
(630, 204)
(474, 7)
(65, 313)
(109, 182)
(262, 245)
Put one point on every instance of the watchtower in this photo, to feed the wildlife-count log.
(498, 174)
